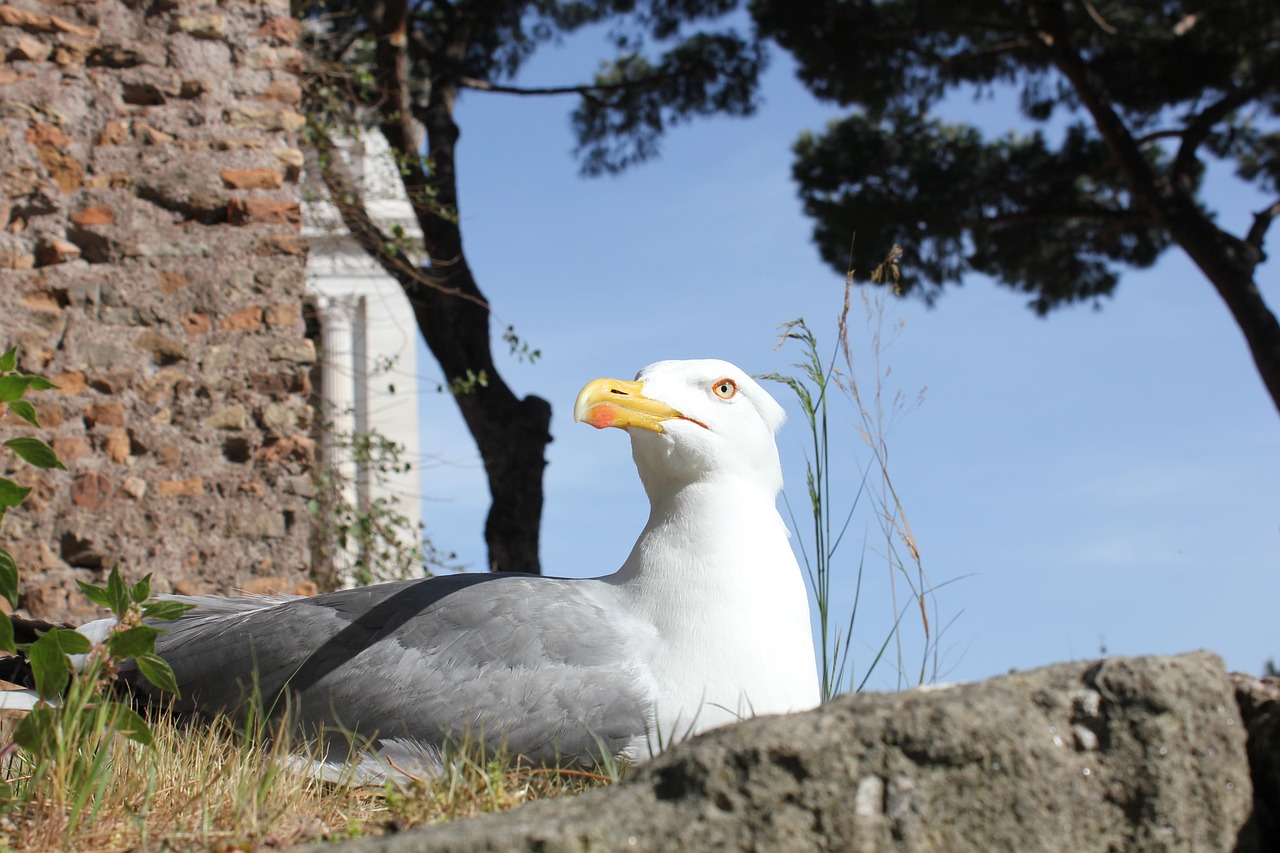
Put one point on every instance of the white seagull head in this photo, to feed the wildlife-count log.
(696, 421)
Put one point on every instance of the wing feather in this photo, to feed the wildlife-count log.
(549, 667)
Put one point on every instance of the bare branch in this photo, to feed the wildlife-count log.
(1157, 135)
(1098, 19)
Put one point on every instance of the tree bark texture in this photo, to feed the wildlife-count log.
(511, 433)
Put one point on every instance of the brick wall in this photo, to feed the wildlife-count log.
(151, 264)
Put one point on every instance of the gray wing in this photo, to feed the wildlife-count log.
(546, 666)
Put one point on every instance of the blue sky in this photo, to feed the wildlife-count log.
(1098, 479)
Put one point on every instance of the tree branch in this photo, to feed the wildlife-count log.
(582, 89)
(1055, 35)
(1197, 130)
(346, 199)
(1111, 217)
(1261, 222)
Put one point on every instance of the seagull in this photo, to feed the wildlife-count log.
(706, 622)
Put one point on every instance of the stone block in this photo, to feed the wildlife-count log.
(282, 417)
(29, 49)
(264, 211)
(66, 171)
(105, 413)
(246, 319)
(54, 250)
(252, 520)
(97, 214)
(265, 120)
(284, 314)
(282, 91)
(43, 301)
(301, 350)
(71, 382)
(134, 487)
(212, 27)
(128, 55)
(116, 445)
(115, 132)
(192, 586)
(55, 24)
(19, 179)
(232, 417)
(169, 454)
(282, 244)
(73, 52)
(16, 260)
(190, 488)
(266, 58)
(47, 134)
(252, 179)
(185, 190)
(145, 134)
(91, 491)
(283, 30)
(293, 448)
(49, 414)
(172, 282)
(70, 447)
(195, 323)
(164, 350)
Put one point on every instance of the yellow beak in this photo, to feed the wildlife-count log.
(619, 403)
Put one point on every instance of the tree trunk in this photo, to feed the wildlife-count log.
(1229, 264)
(511, 433)
(1227, 261)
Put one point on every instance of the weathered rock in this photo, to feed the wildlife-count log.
(1259, 700)
(1135, 755)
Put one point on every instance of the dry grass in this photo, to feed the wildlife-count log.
(203, 787)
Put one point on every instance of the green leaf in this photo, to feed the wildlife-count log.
(24, 410)
(49, 665)
(11, 494)
(39, 383)
(166, 610)
(36, 732)
(6, 635)
(9, 360)
(14, 386)
(36, 452)
(96, 594)
(157, 670)
(8, 578)
(128, 723)
(132, 642)
(141, 590)
(71, 641)
(117, 592)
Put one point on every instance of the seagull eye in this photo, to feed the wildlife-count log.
(725, 389)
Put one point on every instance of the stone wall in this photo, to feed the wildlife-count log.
(151, 264)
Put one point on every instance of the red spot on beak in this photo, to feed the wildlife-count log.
(601, 417)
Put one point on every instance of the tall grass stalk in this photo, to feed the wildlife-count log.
(821, 377)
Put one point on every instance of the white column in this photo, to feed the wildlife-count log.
(337, 387)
